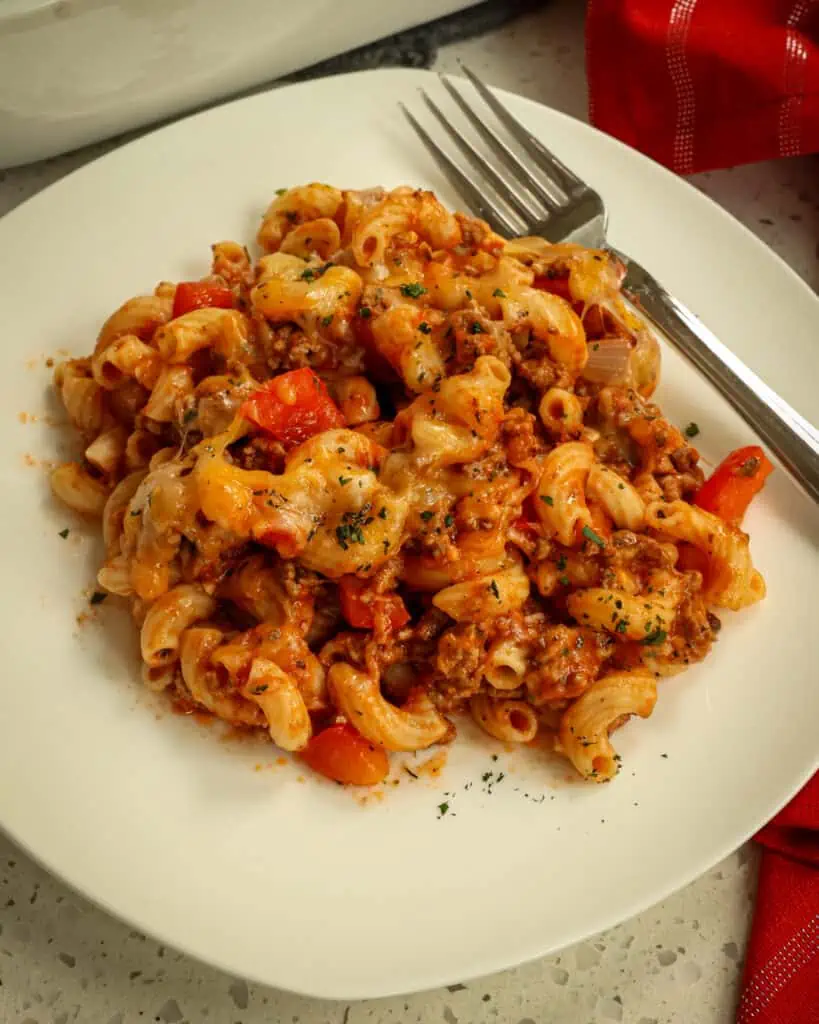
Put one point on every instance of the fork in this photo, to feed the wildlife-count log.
(542, 196)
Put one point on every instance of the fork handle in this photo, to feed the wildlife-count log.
(788, 434)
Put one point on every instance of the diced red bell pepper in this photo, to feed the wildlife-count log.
(344, 755)
(691, 559)
(192, 295)
(361, 614)
(728, 492)
(555, 285)
(293, 407)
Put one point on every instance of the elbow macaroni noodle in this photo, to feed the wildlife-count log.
(472, 514)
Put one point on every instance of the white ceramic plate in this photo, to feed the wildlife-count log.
(289, 881)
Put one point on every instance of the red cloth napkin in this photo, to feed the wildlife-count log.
(781, 980)
(700, 84)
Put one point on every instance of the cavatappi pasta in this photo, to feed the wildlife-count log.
(396, 468)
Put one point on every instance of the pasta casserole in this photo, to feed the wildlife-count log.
(397, 468)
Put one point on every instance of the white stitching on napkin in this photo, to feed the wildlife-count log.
(793, 81)
(770, 979)
(589, 16)
(679, 23)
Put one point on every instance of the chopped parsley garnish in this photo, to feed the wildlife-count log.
(308, 274)
(658, 636)
(595, 538)
(347, 535)
(424, 327)
(561, 563)
(692, 430)
(426, 516)
(350, 532)
(621, 626)
(564, 581)
(326, 320)
(494, 588)
(547, 499)
(64, 533)
(97, 597)
(449, 520)
(365, 312)
(442, 809)
(476, 328)
(344, 480)
(413, 291)
(499, 293)
(280, 191)
(383, 513)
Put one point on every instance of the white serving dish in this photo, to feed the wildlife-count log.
(75, 71)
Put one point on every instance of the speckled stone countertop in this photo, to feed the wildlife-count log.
(63, 960)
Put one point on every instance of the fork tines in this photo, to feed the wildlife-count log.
(529, 197)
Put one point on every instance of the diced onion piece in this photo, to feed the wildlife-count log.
(608, 361)
(645, 363)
